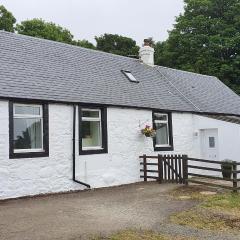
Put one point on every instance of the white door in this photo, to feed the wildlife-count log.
(210, 144)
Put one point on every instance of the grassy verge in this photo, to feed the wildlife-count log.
(215, 212)
(140, 235)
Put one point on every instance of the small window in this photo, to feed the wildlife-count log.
(211, 142)
(28, 130)
(162, 123)
(92, 130)
(130, 76)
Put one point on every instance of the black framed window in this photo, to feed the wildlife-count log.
(130, 76)
(28, 130)
(92, 130)
(162, 124)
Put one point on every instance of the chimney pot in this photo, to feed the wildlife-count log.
(147, 42)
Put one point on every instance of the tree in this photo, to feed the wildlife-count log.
(117, 44)
(84, 43)
(47, 30)
(206, 40)
(7, 20)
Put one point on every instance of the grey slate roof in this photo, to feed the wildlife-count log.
(208, 93)
(225, 118)
(32, 68)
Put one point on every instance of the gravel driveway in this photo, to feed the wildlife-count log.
(83, 214)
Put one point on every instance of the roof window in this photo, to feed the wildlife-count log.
(130, 76)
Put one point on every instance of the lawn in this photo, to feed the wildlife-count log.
(141, 235)
(215, 212)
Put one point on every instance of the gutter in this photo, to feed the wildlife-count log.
(40, 101)
(74, 150)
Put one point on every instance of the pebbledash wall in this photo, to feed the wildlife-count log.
(23, 177)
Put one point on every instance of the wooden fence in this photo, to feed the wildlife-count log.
(182, 169)
(164, 168)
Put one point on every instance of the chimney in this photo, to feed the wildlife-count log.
(146, 52)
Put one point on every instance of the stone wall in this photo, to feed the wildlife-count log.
(22, 177)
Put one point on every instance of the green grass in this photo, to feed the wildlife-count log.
(140, 235)
(216, 212)
(227, 201)
(198, 218)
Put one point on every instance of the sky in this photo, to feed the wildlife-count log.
(86, 19)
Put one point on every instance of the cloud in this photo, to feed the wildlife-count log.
(85, 19)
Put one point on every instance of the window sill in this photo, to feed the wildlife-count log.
(163, 148)
(29, 151)
(16, 155)
(92, 151)
(91, 148)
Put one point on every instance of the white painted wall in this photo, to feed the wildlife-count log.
(228, 136)
(126, 144)
(21, 177)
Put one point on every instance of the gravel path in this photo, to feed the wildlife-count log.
(80, 215)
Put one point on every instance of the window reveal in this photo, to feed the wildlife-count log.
(92, 130)
(28, 128)
(162, 123)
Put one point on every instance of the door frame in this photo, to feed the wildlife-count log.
(203, 143)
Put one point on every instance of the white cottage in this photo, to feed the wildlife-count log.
(71, 118)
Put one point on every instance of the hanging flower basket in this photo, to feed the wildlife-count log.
(148, 131)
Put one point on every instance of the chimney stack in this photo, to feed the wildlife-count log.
(146, 52)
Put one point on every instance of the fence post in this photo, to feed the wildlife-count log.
(145, 168)
(180, 166)
(172, 166)
(235, 185)
(185, 169)
(164, 157)
(160, 168)
(176, 167)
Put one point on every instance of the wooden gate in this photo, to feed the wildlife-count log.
(165, 168)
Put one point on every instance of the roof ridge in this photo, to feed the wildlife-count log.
(68, 45)
(194, 73)
(186, 98)
(44, 70)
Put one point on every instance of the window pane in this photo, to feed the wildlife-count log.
(91, 134)
(131, 77)
(27, 133)
(212, 142)
(161, 117)
(162, 134)
(30, 110)
(93, 114)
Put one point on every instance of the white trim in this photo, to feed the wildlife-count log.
(92, 148)
(161, 114)
(161, 121)
(27, 116)
(168, 137)
(89, 119)
(93, 119)
(28, 150)
(15, 115)
(91, 109)
(162, 145)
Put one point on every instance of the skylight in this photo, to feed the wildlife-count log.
(130, 77)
